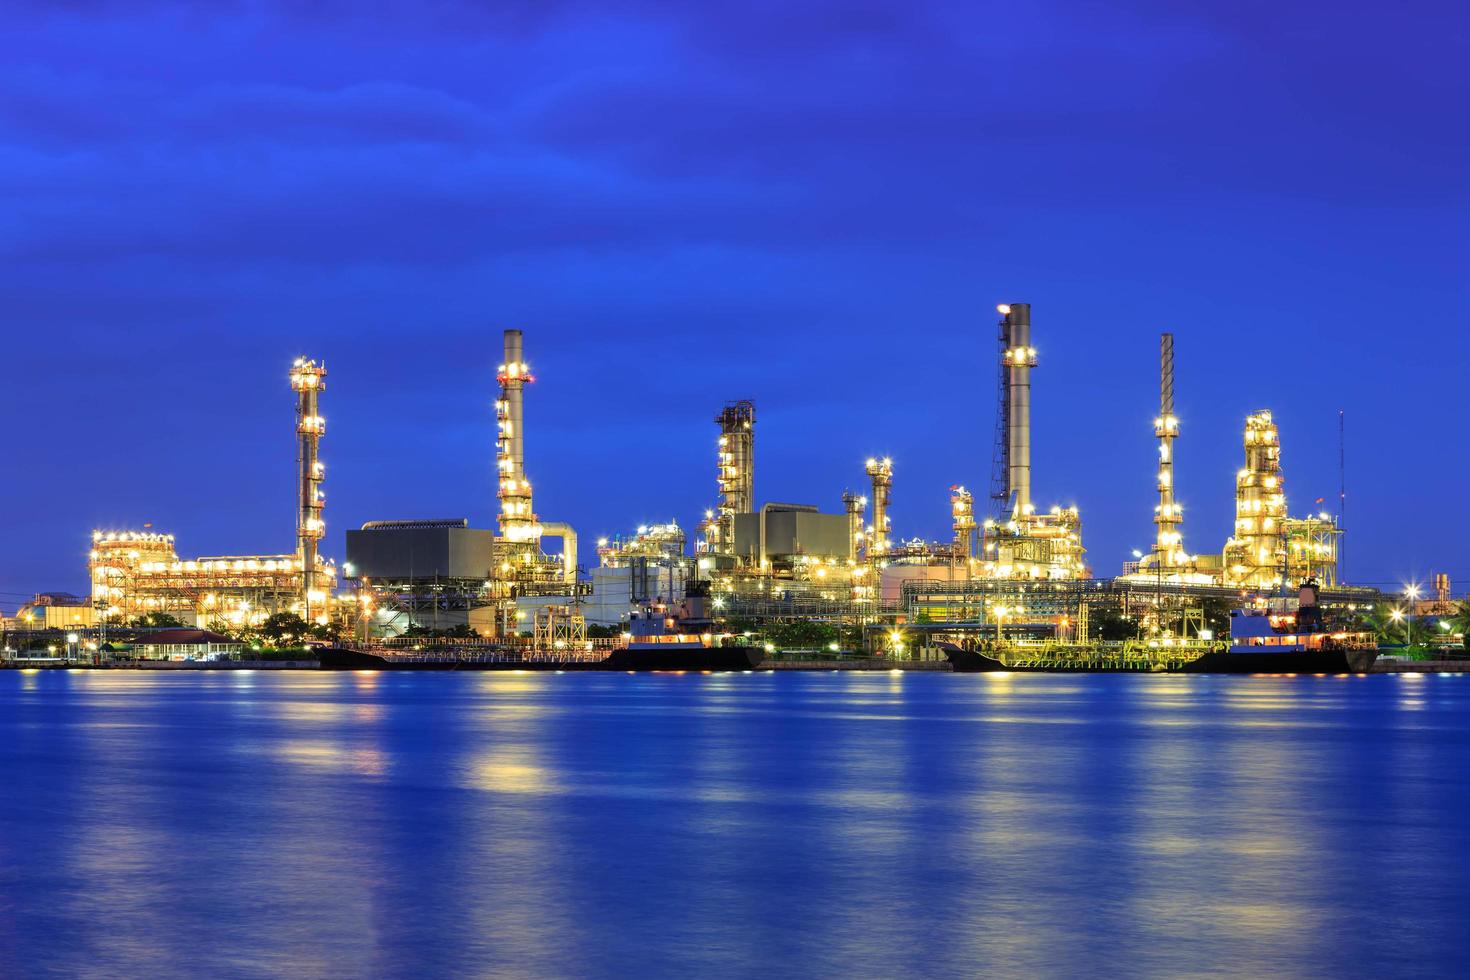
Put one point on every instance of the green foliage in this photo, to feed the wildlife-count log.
(286, 630)
(801, 635)
(1217, 616)
(156, 620)
(461, 631)
(1381, 623)
(1110, 625)
(604, 632)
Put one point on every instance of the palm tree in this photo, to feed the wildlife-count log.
(1381, 621)
(1460, 620)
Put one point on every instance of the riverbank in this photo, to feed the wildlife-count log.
(866, 665)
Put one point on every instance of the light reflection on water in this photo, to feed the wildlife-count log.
(812, 824)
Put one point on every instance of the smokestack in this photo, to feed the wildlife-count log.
(308, 379)
(1019, 358)
(517, 517)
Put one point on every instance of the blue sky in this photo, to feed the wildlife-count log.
(813, 205)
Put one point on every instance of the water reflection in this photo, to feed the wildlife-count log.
(819, 824)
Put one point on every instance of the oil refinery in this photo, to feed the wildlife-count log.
(1014, 566)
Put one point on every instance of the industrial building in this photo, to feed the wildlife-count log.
(445, 575)
(1267, 548)
(137, 572)
(776, 559)
(647, 567)
(1020, 541)
(432, 574)
(52, 611)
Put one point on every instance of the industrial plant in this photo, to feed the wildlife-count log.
(1014, 565)
(135, 573)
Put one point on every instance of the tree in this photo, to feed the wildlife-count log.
(156, 620)
(1217, 616)
(1110, 625)
(1382, 624)
(284, 629)
(1460, 622)
(801, 635)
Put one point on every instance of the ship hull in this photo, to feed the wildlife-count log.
(1220, 662)
(698, 658)
(339, 659)
(1288, 662)
(695, 658)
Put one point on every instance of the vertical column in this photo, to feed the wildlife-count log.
(735, 471)
(517, 515)
(1168, 550)
(1019, 359)
(855, 507)
(308, 379)
(880, 472)
(962, 507)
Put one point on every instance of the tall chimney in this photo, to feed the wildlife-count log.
(1019, 358)
(517, 516)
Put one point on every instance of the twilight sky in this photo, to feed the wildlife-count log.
(815, 205)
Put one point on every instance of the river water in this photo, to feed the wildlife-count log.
(763, 825)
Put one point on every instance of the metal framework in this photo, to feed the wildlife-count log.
(1169, 550)
(880, 473)
(1255, 554)
(962, 511)
(855, 506)
(735, 472)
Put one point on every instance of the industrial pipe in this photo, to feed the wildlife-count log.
(557, 529)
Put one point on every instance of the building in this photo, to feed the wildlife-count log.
(54, 611)
(1021, 541)
(185, 644)
(780, 535)
(428, 574)
(648, 566)
(135, 573)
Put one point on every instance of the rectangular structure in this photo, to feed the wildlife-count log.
(419, 550)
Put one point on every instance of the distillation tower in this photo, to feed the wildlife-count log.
(880, 473)
(1255, 553)
(854, 506)
(962, 511)
(735, 474)
(138, 573)
(308, 379)
(1269, 548)
(1019, 542)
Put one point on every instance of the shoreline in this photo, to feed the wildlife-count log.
(805, 666)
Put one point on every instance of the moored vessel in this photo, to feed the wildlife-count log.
(659, 637)
(682, 638)
(1277, 638)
